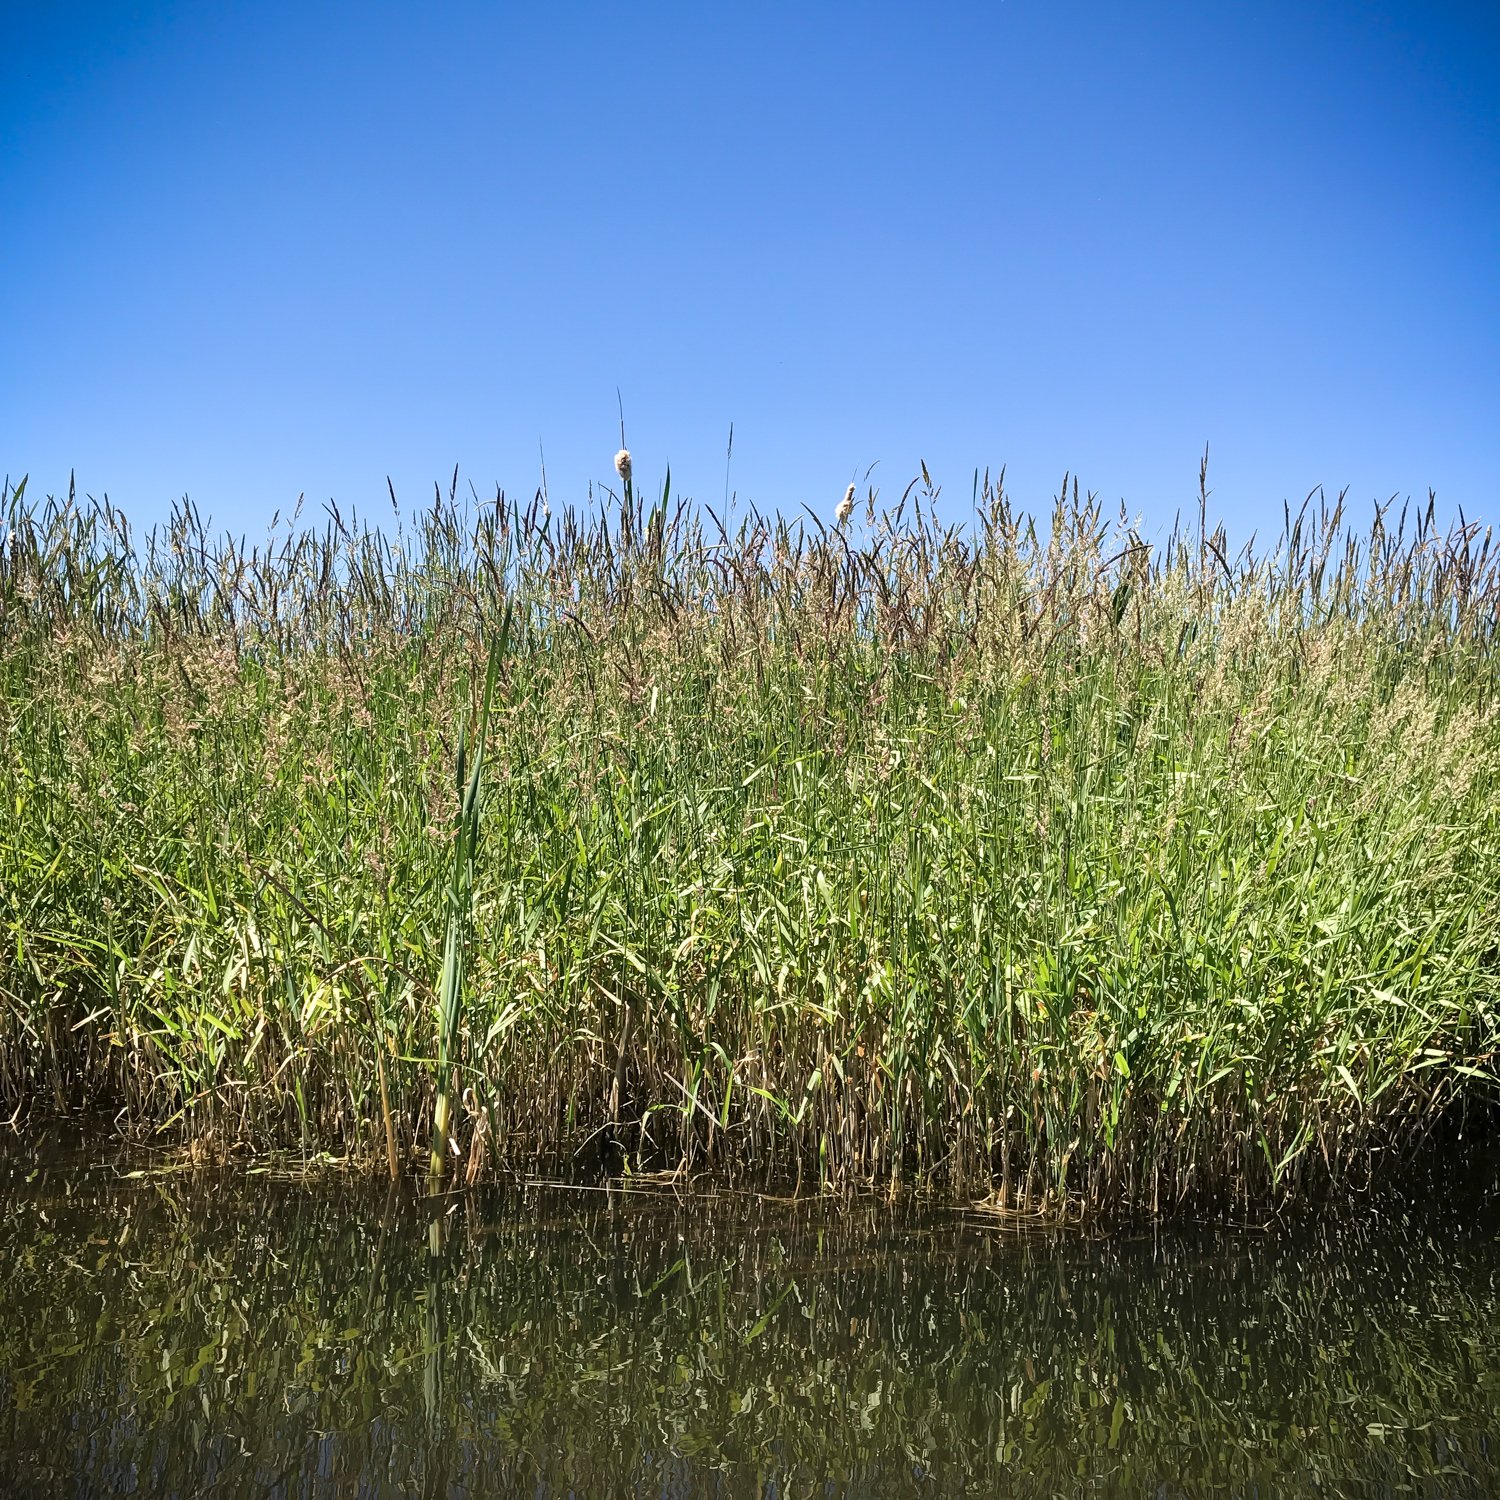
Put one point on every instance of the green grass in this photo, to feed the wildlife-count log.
(1020, 856)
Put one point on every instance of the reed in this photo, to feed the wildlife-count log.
(460, 895)
(1014, 853)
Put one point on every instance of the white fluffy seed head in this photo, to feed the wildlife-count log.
(845, 506)
(622, 464)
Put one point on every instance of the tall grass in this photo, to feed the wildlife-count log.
(1025, 856)
(460, 901)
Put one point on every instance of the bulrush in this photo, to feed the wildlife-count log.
(1003, 852)
(622, 464)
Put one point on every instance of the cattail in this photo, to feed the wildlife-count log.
(845, 506)
(622, 464)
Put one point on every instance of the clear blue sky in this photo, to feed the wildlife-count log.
(256, 249)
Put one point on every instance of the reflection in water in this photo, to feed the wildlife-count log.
(178, 1336)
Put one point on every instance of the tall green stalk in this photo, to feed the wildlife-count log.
(460, 910)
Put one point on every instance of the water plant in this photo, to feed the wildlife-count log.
(460, 895)
(1024, 854)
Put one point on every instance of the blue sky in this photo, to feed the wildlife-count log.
(257, 249)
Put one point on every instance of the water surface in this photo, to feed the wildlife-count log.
(175, 1334)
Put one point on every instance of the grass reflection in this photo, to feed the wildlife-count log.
(178, 1336)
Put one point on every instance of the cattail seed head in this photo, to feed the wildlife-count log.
(622, 464)
(845, 506)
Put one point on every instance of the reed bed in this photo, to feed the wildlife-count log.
(1018, 855)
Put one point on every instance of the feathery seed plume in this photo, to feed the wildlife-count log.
(845, 506)
(622, 464)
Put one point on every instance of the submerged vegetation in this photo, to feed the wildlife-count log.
(1027, 857)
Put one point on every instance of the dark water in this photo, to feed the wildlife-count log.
(177, 1335)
